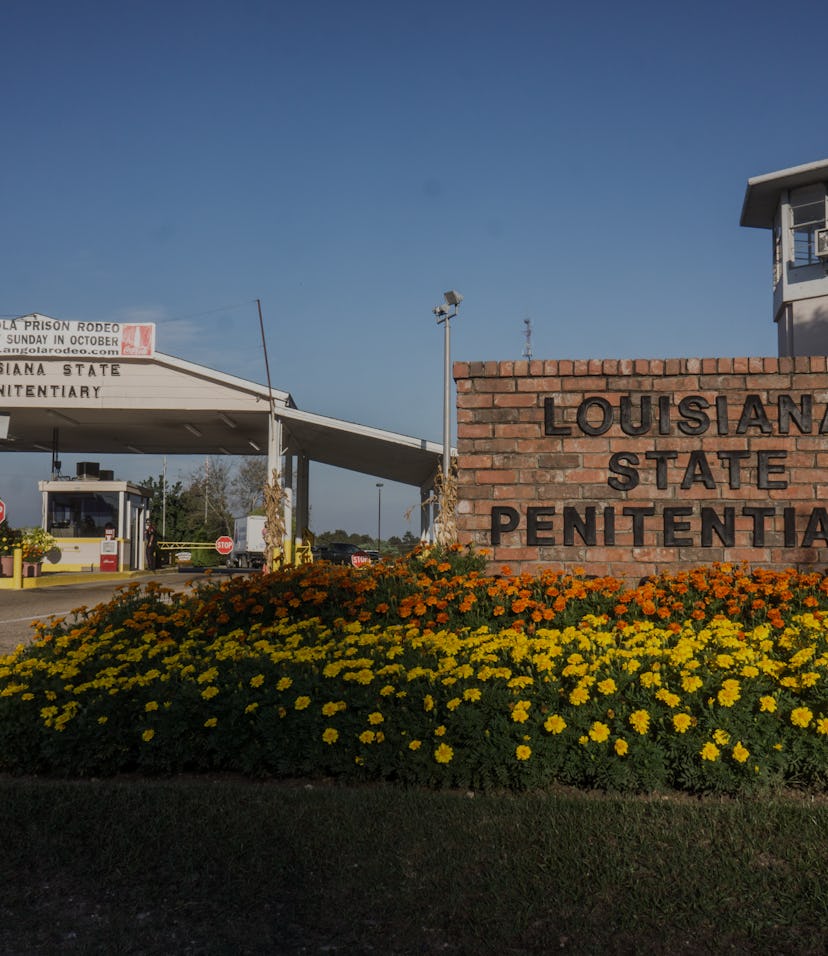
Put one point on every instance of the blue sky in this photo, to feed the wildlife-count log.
(582, 166)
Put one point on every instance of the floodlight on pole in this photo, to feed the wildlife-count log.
(443, 313)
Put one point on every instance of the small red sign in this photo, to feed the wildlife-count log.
(358, 560)
(224, 544)
(2, 510)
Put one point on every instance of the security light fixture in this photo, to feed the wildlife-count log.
(253, 445)
(135, 450)
(192, 429)
(453, 297)
(228, 421)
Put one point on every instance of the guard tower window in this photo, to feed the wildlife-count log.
(807, 215)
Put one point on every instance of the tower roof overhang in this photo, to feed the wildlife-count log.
(763, 192)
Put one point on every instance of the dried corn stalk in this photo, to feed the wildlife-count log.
(274, 529)
(446, 521)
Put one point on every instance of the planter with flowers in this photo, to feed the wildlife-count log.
(35, 543)
(9, 540)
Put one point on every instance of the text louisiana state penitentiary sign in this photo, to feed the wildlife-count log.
(629, 467)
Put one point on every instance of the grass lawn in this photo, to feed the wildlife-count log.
(224, 865)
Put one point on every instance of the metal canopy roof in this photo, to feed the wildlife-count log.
(763, 192)
(412, 461)
(212, 414)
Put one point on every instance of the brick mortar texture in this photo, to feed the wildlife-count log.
(630, 467)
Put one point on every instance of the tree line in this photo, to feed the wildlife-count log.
(204, 505)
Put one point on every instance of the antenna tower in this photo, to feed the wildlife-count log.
(527, 334)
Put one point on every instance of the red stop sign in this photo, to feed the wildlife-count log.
(2, 510)
(224, 544)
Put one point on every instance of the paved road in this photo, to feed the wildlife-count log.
(19, 608)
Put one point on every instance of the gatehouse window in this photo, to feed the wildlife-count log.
(81, 514)
(807, 215)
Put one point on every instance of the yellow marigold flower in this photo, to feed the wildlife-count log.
(750, 671)
(607, 686)
(471, 693)
(740, 753)
(284, 683)
(428, 703)
(554, 724)
(375, 718)
(801, 716)
(440, 731)
(691, 683)
(330, 735)
(621, 747)
(386, 691)
(103, 720)
(209, 675)
(599, 732)
(211, 722)
(682, 722)
(415, 745)
(251, 707)
(257, 681)
(522, 752)
(709, 751)
(302, 702)
(454, 703)
(151, 705)
(443, 754)
(729, 693)
(668, 697)
(520, 712)
(147, 735)
(822, 725)
(367, 737)
(722, 737)
(767, 704)
(209, 692)
(333, 707)
(640, 721)
(579, 695)
(583, 740)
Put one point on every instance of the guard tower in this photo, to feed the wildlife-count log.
(792, 203)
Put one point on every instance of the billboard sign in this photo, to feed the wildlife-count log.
(41, 336)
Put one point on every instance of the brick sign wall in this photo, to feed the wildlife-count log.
(630, 467)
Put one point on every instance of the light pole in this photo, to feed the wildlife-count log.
(444, 316)
(379, 517)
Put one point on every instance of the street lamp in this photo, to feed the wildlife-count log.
(379, 516)
(443, 315)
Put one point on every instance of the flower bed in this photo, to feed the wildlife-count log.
(431, 673)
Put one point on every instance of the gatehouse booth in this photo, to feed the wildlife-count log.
(96, 521)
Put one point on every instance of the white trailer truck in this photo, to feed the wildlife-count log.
(248, 542)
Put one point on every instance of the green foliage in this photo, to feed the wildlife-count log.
(9, 538)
